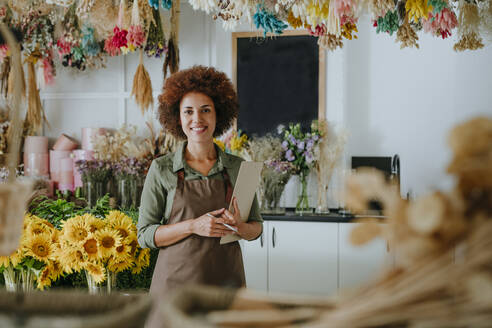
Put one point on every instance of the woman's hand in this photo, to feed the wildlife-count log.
(246, 230)
(235, 217)
(208, 225)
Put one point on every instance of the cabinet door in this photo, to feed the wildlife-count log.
(255, 260)
(302, 257)
(360, 264)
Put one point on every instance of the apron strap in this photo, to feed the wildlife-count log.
(181, 178)
(228, 186)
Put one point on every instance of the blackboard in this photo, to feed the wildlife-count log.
(277, 81)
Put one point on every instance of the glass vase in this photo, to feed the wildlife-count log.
(302, 205)
(94, 190)
(10, 277)
(27, 280)
(124, 193)
(92, 286)
(111, 281)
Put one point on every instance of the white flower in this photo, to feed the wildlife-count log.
(280, 128)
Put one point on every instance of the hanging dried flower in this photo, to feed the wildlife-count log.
(347, 29)
(407, 36)
(441, 24)
(389, 23)
(470, 41)
(295, 22)
(267, 21)
(317, 12)
(379, 8)
(330, 42)
(468, 28)
(417, 9)
(35, 113)
(156, 42)
(319, 30)
(142, 87)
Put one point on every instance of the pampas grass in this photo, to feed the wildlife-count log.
(142, 87)
(11, 82)
(330, 150)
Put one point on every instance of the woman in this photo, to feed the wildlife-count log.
(186, 194)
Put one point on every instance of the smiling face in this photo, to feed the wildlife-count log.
(197, 117)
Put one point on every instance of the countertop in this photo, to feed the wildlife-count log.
(330, 217)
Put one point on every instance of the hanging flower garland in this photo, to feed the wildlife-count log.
(69, 46)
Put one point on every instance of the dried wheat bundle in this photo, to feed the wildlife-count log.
(13, 194)
(407, 36)
(11, 82)
(142, 87)
(35, 113)
(330, 41)
(428, 289)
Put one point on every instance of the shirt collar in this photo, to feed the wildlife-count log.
(223, 160)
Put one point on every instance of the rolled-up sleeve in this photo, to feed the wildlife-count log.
(152, 207)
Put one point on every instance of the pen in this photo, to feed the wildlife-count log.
(225, 224)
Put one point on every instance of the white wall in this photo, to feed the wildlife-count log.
(390, 100)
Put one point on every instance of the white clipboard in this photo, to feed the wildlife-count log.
(248, 180)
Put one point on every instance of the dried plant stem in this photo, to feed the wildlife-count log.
(35, 113)
(16, 123)
(142, 87)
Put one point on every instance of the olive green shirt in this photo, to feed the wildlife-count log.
(160, 187)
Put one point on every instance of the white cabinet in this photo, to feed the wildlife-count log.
(360, 264)
(255, 258)
(302, 257)
(312, 258)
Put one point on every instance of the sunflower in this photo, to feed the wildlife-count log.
(39, 247)
(44, 279)
(132, 241)
(56, 270)
(121, 222)
(116, 265)
(90, 248)
(94, 223)
(97, 271)
(76, 229)
(123, 253)
(108, 239)
(4, 261)
(16, 258)
(71, 259)
(142, 261)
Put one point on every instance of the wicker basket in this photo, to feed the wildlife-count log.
(73, 309)
(14, 194)
(206, 307)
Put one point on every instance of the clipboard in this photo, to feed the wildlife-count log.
(248, 180)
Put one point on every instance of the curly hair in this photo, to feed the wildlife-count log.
(207, 80)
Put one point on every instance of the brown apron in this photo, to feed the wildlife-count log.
(196, 259)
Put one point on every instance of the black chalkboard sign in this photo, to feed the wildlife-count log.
(277, 81)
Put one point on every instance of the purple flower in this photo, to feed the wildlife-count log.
(315, 137)
(309, 157)
(292, 139)
(285, 145)
(300, 145)
(289, 155)
(310, 144)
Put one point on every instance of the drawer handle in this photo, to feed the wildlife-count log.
(273, 237)
(261, 240)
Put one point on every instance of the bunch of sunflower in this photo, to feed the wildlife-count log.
(101, 247)
(36, 260)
